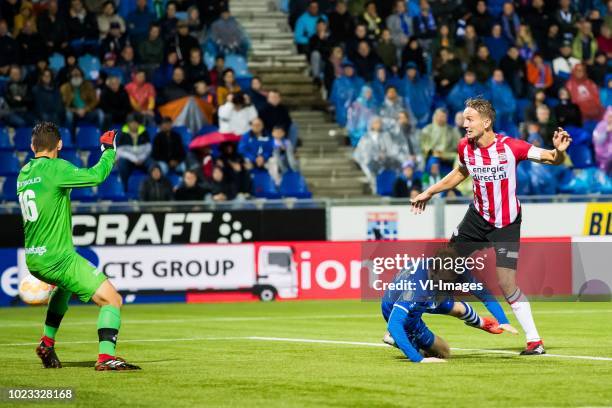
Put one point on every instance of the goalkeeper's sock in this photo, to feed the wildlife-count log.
(109, 322)
(522, 310)
(470, 317)
(58, 305)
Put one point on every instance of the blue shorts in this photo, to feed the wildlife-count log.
(420, 336)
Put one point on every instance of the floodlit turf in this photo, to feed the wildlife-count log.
(198, 368)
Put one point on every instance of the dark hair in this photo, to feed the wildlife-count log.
(45, 136)
(483, 107)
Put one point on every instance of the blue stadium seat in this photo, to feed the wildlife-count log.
(93, 158)
(543, 179)
(71, 156)
(9, 189)
(23, 138)
(263, 185)
(66, 136)
(175, 179)
(133, 187)
(112, 189)
(5, 141)
(238, 64)
(185, 133)
(293, 184)
(56, 62)
(384, 182)
(207, 129)
(523, 178)
(85, 194)
(581, 155)
(90, 65)
(244, 81)
(88, 138)
(9, 164)
(152, 131)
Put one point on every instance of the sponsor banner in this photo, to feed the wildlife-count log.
(385, 222)
(184, 227)
(598, 219)
(9, 279)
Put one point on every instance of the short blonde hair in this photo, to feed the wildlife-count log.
(483, 107)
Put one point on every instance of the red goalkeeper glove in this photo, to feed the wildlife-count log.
(108, 140)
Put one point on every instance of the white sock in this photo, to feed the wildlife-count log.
(522, 310)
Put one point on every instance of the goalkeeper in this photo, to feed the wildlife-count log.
(43, 187)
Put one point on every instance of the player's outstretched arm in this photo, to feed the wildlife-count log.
(396, 329)
(70, 176)
(556, 156)
(450, 181)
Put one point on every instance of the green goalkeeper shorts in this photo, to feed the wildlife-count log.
(75, 274)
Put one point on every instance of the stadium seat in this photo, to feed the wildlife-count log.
(66, 136)
(185, 133)
(133, 187)
(9, 164)
(112, 189)
(175, 179)
(85, 194)
(93, 158)
(23, 138)
(294, 185)
(56, 62)
(72, 156)
(5, 141)
(523, 178)
(238, 64)
(88, 138)
(543, 180)
(581, 155)
(263, 185)
(90, 65)
(152, 131)
(384, 182)
(9, 189)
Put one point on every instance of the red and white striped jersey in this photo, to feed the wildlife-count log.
(493, 171)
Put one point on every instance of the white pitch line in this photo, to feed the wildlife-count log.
(316, 341)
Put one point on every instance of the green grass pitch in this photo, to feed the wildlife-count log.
(206, 355)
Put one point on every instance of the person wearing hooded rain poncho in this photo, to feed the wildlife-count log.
(345, 90)
(418, 92)
(359, 115)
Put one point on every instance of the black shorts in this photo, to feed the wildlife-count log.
(475, 233)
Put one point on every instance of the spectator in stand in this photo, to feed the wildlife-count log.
(439, 139)
(156, 187)
(444, 39)
(220, 189)
(236, 114)
(448, 71)
(604, 40)
(283, 157)
(345, 90)
(210, 10)
(18, 98)
(365, 61)
(257, 95)
(481, 19)
(513, 67)
(584, 93)
(468, 45)
(227, 86)
(539, 19)
(142, 96)
(114, 41)
(539, 98)
(216, 74)
(26, 14)
(602, 142)
(391, 107)
(333, 68)
(376, 151)
(168, 149)
(407, 185)
(547, 125)
(9, 10)
(234, 170)
(108, 17)
(274, 113)
(52, 23)
(418, 91)
(256, 142)
(176, 89)
(503, 101)
(567, 112)
(306, 26)
(195, 24)
(34, 75)
(168, 22)
(406, 137)
(372, 21)
(190, 190)
(360, 113)
(400, 24)
(341, 23)
(151, 48)
(361, 34)
(9, 49)
(551, 44)
(525, 42)
(110, 68)
(195, 69)
(184, 42)
(539, 73)
(424, 25)
(482, 64)
(204, 92)
(82, 27)
(598, 70)
(414, 53)
(114, 102)
(463, 90)
(566, 18)
(63, 75)
(584, 45)
(379, 86)
(80, 100)
(432, 174)
(48, 106)
(139, 22)
(510, 22)
(319, 48)
(565, 62)
(133, 148)
(162, 76)
(605, 93)
(31, 44)
(497, 44)
(386, 50)
(228, 35)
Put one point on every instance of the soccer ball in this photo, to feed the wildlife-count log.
(34, 291)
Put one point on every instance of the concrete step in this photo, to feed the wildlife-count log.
(337, 192)
(269, 64)
(286, 78)
(310, 150)
(327, 174)
(330, 163)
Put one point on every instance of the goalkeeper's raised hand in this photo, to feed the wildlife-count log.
(108, 140)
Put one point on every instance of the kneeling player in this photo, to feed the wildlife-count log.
(44, 186)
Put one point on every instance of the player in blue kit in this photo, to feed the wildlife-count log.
(403, 310)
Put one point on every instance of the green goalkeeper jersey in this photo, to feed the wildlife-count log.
(44, 187)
